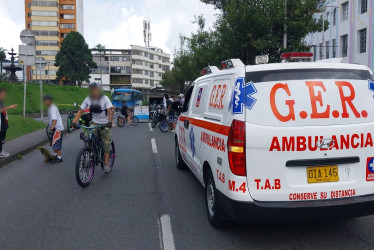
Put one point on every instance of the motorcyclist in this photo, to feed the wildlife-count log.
(101, 109)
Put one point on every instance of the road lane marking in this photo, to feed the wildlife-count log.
(150, 127)
(154, 146)
(167, 239)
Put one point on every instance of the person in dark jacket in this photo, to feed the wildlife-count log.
(4, 121)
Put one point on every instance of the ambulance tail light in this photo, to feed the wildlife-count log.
(236, 148)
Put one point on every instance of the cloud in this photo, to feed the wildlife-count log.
(118, 24)
(11, 24)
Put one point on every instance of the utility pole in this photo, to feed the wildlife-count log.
(285, 25)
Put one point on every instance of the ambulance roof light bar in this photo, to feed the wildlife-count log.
(209, 70)
(297, 57)
(232, 63)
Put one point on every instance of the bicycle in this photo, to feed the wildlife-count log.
(84, 120)
(121, 120)
(91, 155)
(167, 124)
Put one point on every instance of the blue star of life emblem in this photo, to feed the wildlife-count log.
(243, 96)
(192, 142)
(371, 85)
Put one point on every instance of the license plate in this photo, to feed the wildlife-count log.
(323, 174)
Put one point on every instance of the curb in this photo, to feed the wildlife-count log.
(15, 156)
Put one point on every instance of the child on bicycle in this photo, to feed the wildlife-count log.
(56, 127)
(126, 112)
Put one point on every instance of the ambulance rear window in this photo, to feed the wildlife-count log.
(310, 74)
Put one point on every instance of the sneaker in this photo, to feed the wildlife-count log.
(4, 154)
(57, 160)
(107, 169)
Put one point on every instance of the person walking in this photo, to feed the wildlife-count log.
(4, 121)
(55, 126)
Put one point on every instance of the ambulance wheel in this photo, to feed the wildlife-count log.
(178, 157)
(212, 203)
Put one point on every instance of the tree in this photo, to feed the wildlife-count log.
(2, 58)
(74, 59)
(100, 48)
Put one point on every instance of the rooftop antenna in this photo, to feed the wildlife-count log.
(147, 32)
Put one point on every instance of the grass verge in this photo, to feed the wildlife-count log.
(19, 127)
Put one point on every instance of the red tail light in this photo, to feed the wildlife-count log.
(236, 148)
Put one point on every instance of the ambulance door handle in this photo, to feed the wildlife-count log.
(186, 124)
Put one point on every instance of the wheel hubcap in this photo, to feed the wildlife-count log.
(210, 197)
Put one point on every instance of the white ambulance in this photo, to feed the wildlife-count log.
(280, 141)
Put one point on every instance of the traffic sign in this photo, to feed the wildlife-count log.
(30, 59)
(27, 37)
(40, 63)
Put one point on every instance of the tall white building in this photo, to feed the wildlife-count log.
(350, 32)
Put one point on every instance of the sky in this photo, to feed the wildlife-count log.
(117, 24)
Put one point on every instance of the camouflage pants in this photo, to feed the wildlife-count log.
(106, 137)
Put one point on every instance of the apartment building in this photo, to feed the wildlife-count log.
(51, 21)
(139, 67)
(350, 32)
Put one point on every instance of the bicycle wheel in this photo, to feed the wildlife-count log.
(112, 156)
(134, 120)
(47, 132)
(152, 115)
(84, 167)
(164, 126)
(120, 121)
(69, 121)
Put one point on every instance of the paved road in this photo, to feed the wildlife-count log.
(42, 206)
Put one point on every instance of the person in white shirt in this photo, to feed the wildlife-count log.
(55, 126)
(101, 109)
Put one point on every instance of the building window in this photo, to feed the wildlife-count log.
(44, 23)
(45, 33)
(67, 26)
(152, 83)
(152, 74)
(114, 59)
(135, 80)
(46, 52)
(126, 58)
(67, 16)
(364, 6)
(344, 43)
(151, 56)
(345, 12)
(146, 72)
(137, 53)
(44, 3)
(44, 13)
(47, 43)
(137, 72)
(327, 50)
(362, 36)
(334, 17)
(145, 54)
(320, 51)
(333, 48)
(67, 6)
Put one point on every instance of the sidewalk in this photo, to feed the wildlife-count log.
(23, 145)
(26, 143)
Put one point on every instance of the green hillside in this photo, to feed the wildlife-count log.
(64, 96)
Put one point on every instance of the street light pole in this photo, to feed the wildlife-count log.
(285, 25)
